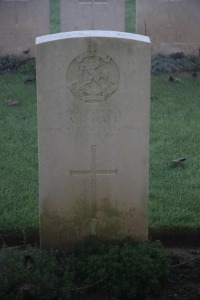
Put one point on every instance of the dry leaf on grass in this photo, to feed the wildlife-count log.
(11, 102)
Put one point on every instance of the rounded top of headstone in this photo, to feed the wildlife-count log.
(92, 33)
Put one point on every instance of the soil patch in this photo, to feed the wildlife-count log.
(169, 238)
(176, 238)
(184, 276)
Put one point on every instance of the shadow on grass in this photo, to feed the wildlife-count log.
(169, 238)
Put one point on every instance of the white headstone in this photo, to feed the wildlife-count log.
(172, 25)
(93, 120)
(92, 14)
(21, 21)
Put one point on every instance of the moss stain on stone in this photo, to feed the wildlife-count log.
(85, 219)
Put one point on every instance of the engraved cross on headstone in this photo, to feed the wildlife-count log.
(94, 172)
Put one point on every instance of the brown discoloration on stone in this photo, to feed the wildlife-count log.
(105, 221)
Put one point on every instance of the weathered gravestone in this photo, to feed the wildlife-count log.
(172, 25)
(93, 119)
(92, 14)
(21, 21)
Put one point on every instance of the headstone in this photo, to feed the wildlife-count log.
(21, 21)
(92, 14)
(172, 25)
(93, 120)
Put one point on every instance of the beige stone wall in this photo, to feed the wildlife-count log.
(93, 121)
(21, 21)
(172, 25)
(92, 15)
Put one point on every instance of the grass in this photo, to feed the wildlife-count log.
(54, 16)
(130, 16)
(174, 191)
(18, 152)
(94, 270)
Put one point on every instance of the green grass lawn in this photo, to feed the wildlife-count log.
(175, 191)
(174, 201)
(54, 16)
(130, 16)
(18, 152)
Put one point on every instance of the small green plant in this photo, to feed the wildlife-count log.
(8, 64)
(176, 62)
(28, 67)
(11, 64)
(34, 274)
(122, 270)
(119, 270)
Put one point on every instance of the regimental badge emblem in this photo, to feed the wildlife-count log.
(93, 77)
